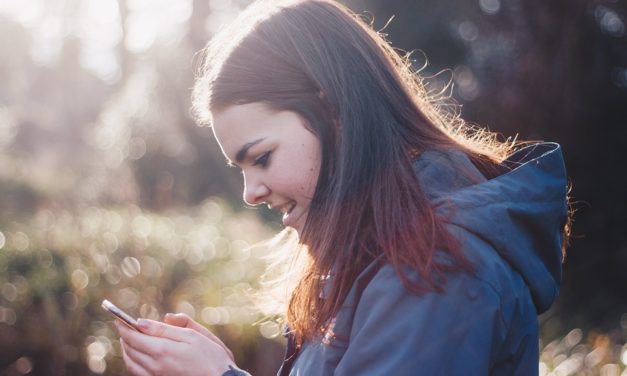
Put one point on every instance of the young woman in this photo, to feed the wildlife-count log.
(431, 247)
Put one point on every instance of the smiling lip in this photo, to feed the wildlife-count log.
(288, 218)
(283, 208)
(287, 210)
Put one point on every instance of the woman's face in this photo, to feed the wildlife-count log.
(279, 157)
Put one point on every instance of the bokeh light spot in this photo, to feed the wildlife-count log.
(468, 86)
(113, 275)
(609, 22)
(20, 241)
(136, 148)
(110, 242)
(595, 357)
(194, 256)
(210, 315)
(269, 329)
(127, 298)
(131, 267)
(97, 350)
(7, 316)
(468, 31)
(240, 250)
(9, 291)
(24, 365)
(610, 370)
(186, 308)
(619, 77)
(213, 211)
(490, 6)
(573, 337)
(70, 300)
(141, 226)
(44, 257)
(151, 267)
(80, 279)
(149, 311)
(97, 365)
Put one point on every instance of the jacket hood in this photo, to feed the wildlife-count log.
(520, 213)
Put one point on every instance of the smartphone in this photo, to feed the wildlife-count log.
(123, 316)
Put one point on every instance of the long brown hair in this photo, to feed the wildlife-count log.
(373, 116)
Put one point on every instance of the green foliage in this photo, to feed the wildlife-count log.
(592, 353)
(56, 268)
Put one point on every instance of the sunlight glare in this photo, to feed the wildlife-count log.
(99, 29)
(141, 32)
(28, 13)
(149, 20)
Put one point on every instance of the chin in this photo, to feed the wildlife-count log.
(298, 229)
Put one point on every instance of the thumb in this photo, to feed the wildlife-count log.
(184, 321)
(177, 319)
(160, 329)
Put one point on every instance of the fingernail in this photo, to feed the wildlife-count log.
(168, 315)
(143, 324)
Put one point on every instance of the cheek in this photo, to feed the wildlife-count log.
(311, 171)
(301, 168)
(298, 175)
(301, 179)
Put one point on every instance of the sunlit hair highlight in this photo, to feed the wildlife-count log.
(374, 117)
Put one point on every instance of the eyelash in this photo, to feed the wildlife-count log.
(263, 159)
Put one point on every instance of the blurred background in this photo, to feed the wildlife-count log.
(109, 190)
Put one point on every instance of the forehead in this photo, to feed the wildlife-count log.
(239, 124)
(239, 119)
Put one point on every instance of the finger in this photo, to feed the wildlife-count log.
(183, 320)
(149, 345)
(132, 365)
(163, 330)
(176, 319)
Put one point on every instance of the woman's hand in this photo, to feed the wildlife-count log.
(179, 347)
(184, 321)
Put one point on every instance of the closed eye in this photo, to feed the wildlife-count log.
(263, 159)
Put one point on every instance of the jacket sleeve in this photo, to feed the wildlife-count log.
(395, 332)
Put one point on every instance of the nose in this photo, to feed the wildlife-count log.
(255, 191)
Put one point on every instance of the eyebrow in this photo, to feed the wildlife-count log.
(241, 153)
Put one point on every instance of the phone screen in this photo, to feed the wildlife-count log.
(123, 316)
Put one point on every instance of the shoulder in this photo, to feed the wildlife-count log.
(422, 330)
(442, 172)
(384, 328)
(462, 293)
(493, 292)
(490, 311)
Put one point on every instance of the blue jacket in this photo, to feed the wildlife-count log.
(485, 323)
